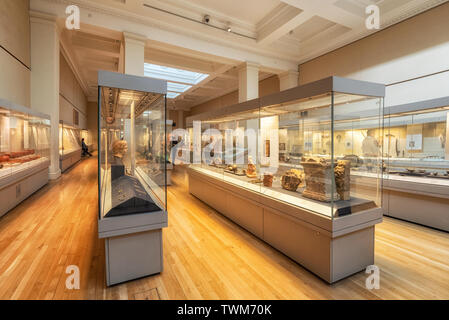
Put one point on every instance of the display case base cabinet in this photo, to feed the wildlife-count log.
(133, 256)
(15, 193)
(415, 207)
(330, 255)
(67, 161)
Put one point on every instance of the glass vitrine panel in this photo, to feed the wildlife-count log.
(69, 139)
(416, 147)
(132, 158)
(24, 141)
(321, 153)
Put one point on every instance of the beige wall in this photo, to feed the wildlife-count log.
(266, 87)
(412, 58)
(15, 39)
(71, 96)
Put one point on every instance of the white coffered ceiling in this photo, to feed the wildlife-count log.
(276, 34)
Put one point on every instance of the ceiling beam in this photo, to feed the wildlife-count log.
(280, 22)
(326, 9)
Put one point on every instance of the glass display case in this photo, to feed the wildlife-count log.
(24, 140)
(132, 159)
(132, 146)
(69, 139)
(302, 150)
(416, 162)
(300, 169)
(415, 143)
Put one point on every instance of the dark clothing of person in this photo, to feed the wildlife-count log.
(85, 149)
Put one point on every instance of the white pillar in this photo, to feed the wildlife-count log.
(248, 81)
(45, 78)
(288, 79)
(134, 53)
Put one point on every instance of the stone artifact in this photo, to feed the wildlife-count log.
(119, 148)
(292, 179)
(319, 179)
(343, 179)
(268, 179)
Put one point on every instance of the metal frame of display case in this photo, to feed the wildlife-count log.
(332, 248)
(18, 186)
(133, 243)
(408, 197)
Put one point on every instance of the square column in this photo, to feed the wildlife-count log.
(248, 81)
(45, 78)
(288, 79)
(134, 54)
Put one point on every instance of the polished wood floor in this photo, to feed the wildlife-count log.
(206, 256)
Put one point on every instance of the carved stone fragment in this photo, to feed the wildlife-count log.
(319, 179)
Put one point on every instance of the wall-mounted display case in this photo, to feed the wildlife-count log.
(416, 165)
(298, 158)
(132, 174)
(24, 153)
(69, 145)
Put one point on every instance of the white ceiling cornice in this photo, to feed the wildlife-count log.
(215, 42)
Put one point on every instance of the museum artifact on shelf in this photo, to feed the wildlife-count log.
(24, 153)
(320, 180)
(306, 153)
(132, 165)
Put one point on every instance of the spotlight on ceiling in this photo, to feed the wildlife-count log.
(206, 18)
(228, 27)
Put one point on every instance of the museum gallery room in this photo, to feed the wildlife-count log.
(224, 150)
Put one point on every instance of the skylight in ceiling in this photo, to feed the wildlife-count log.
(177, 87)
(172, 95)
(173, 74)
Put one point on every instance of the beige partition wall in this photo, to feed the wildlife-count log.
(409, 57)
(15, 58)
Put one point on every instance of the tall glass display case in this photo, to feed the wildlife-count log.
(302, 153)
(132, 172)
(416, 154)
(24, 153)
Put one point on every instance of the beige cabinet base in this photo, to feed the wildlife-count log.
(331, 249)
(14, 193)
(133, 256)
(68, 160)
